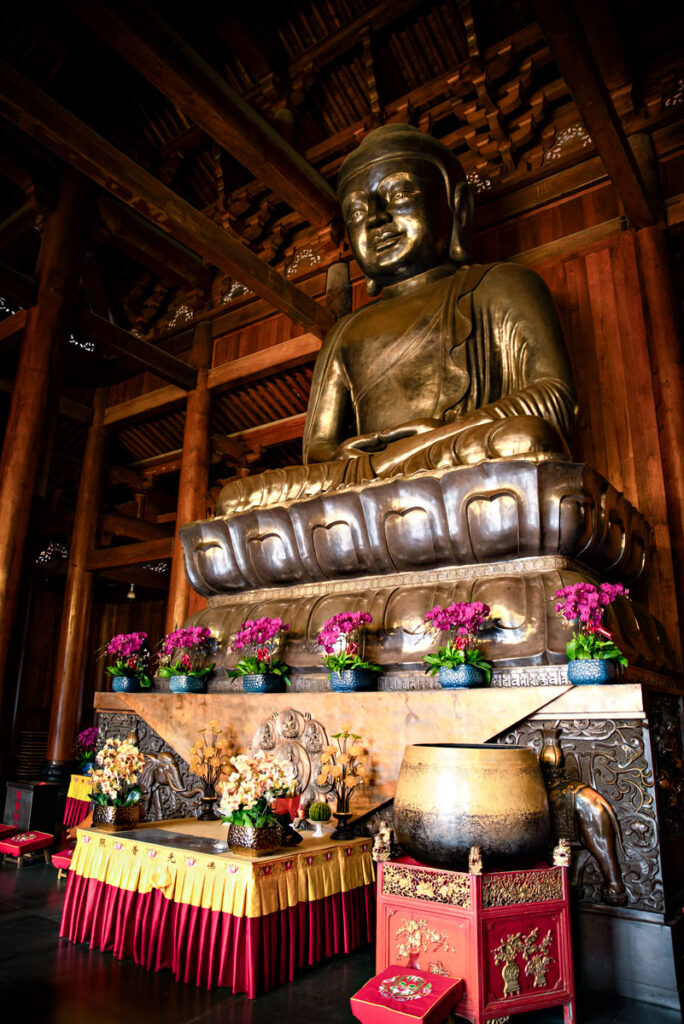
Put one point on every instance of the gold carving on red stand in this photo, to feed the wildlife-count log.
(446, 887)
(525, 887)
(535, 955)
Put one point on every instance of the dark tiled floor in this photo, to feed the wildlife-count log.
(49, 980)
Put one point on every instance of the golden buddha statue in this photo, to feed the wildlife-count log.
(454, 364)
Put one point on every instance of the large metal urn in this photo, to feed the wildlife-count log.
(452, 796)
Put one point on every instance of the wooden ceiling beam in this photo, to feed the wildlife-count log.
(17, 287)
(140, 577)
(577, 65)
(129, 554)
(266, 435)
(283, 356)
(18, 223)
(151, 46)
(146, 243)
(26, 106)
(10, 327)
(150, 358)
(133, 529)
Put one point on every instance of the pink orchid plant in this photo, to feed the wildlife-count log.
(184, 652)
(85, 744)
(583, 605)
(131, 655)
(264, 638)
(343, 640)
(461, 621)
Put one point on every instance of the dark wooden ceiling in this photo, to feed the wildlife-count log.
(479, 75)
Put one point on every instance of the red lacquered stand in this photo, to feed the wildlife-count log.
(505, 933)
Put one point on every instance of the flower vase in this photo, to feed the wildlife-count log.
(187, 684)
(463, 677)
(583, 672)
(87, 767)
(125, 684)
(111, 818)
(207, 811)
(342, 829)
(264, 682)
(247, 841)
(352, 679)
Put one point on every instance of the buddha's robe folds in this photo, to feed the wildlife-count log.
(469, 367)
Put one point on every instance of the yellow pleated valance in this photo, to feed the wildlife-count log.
(223, 882)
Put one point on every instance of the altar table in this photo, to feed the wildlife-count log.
(77, 804)
(175, 900)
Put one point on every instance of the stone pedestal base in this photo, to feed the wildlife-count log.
(639, 956)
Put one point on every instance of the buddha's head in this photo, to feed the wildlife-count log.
(406, 205)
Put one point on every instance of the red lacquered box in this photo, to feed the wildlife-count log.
(7, 830)
(403, 995)
(506, 934)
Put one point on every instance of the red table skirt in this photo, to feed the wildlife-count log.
(75, 811)
(208, 947)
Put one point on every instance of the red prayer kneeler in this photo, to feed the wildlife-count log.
(26, 842)
(406, 995)
(62, 861)
(7, 830)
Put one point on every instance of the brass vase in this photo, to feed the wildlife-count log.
(452, 796)
(246, 841)
(110, 818)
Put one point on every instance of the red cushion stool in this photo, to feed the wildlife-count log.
(407, 995)
(62, 861)
(7, 830)
(26, 842)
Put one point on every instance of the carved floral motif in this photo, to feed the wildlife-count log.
(524, 887)
(447, 887)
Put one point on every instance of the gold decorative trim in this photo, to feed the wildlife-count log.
(522, 887)
(450, 574)
(447, 887)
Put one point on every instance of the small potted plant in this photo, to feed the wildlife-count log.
(84, 748)
(343, 640)
(210, 759)
(459, 664)
(247, 794)
(262, 671)
(318, 814)
(183, 658)
(116, 792)
(131, 655)
(343, 768)
(592, 654)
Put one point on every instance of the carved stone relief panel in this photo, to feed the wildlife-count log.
(612, 757)
(298, 739)
(665, 714)
(169, 789)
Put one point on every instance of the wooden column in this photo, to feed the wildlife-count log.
(37, 375)
(194, 472)
(667, 370)
(74, 631)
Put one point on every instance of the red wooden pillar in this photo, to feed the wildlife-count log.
(37, 375)
(667, 370)
(74, 632)
(194, 473)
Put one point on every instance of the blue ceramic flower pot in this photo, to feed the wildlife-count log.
(125, 684)
(187, 684)
(463, 677)
(87, 767)
(351, 679)
(264, 682)
(593, 670)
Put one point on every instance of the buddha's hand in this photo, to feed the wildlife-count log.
(378, 441)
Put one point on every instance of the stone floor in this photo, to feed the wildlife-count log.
(46, 979)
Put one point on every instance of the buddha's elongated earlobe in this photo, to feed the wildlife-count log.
(459, 249)
(372, 287)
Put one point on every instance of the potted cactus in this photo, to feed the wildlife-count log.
(318, 814)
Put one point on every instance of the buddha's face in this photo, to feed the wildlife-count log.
(398, 218)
